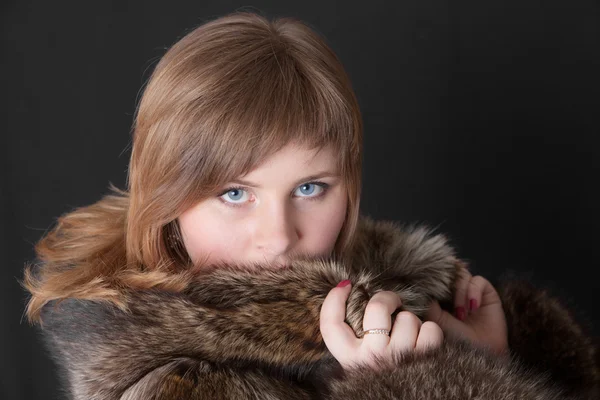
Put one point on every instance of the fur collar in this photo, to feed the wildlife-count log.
(251, 328)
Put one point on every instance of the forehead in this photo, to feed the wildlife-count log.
(293, 161)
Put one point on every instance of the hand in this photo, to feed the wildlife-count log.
(479, 313)
(408, 332)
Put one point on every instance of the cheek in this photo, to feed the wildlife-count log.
(322, 227)
(206, 237)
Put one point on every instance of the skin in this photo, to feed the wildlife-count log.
(294, 203)
(484, 325)
(280, 211)
(408, 333)
(479, 315)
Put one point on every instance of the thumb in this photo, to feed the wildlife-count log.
(451, 326)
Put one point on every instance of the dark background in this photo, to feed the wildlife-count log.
(480, 118)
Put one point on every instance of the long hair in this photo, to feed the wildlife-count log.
(226, 96)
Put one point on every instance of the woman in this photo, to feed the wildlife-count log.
(236, 264)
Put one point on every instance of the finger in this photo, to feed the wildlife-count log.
(378, 315)
(430, 336)
(405, 332)
(337, 335)
(460, 297)
(451, 326)
(482, 292)
(475, 292)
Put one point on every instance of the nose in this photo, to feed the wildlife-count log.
(276, 232)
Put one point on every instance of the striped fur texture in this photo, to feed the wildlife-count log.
(253, 333)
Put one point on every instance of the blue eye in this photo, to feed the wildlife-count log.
(309, 190)
(238, 196)
(235, 195)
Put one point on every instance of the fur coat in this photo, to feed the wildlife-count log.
(243, 333)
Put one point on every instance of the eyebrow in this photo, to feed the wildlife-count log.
(319, 175)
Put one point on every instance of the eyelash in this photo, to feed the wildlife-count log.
(323, 185)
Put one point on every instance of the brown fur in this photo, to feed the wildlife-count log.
(250, 333)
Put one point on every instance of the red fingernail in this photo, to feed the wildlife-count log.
(472, 304)
(460, 313)
(344, 283)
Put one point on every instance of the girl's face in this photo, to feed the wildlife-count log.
(294, 202)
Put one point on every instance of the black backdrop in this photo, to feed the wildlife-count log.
(480, 119)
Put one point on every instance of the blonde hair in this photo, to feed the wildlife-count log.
(225, 97)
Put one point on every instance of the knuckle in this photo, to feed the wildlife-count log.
(461, 286)
(431, 336)
(462, 283)
(327, 313)
(385, 297)
(442, 319)
(376, 306)
(432, 328)
(375, 348)
(406, 317)
(479, 281)
(325, 323)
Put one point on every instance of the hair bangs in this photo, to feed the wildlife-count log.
(261, 110)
